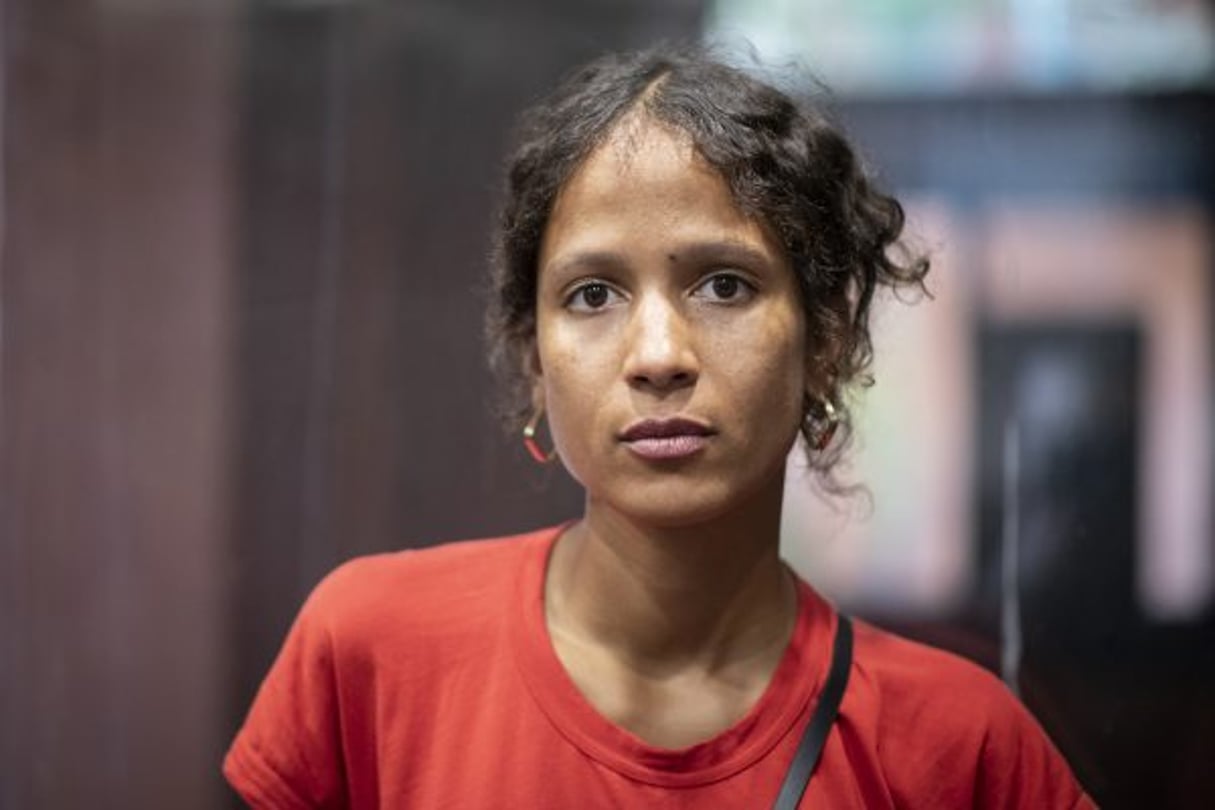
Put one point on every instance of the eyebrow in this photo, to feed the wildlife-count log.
(721, 252)
(589, 260)
(727, 252)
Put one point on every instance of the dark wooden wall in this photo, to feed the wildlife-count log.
(115, 383)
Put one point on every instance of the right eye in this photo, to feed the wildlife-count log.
(591, 296)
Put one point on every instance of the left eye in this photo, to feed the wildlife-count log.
(724, 287)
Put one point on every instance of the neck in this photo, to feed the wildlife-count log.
(666, 598)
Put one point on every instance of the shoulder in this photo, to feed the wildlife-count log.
(917, 687)
(382, 630)
(918, 677)
(942, 723)
(420, 573)
(426, 586)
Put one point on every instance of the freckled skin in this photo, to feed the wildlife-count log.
(650, 222)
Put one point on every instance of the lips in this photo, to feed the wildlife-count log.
(659, 439)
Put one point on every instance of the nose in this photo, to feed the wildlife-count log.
(660, 352)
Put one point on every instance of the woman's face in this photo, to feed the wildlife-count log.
(670, 336)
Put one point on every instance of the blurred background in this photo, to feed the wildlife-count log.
(242, 253)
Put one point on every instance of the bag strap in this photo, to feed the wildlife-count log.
(815, 736)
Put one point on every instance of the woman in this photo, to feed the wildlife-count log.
(685, 265)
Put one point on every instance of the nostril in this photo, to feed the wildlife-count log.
(664, 378)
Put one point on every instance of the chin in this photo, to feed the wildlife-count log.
(677, 504)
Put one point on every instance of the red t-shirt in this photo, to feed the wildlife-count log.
(426, 679)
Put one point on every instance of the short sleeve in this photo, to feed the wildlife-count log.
(948, 733)
(287, 755)
(1019, 766)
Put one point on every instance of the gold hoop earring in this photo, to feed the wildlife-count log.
(529, 439)
(822, 429)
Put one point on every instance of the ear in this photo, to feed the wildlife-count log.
(817, 371)
(534, 373)
(824, 355)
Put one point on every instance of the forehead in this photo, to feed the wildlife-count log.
(647, 187)
(640, 151)
(638, 144)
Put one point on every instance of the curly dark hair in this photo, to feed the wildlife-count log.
(784, 163)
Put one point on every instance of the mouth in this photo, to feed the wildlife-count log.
(661, 439)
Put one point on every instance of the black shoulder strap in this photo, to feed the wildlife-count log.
(811, 746)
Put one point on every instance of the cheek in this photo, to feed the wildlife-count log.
(571, 385)
(768, 359)
(571, 411)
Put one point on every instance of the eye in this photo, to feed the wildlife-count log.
(725, 288)
(591, 296)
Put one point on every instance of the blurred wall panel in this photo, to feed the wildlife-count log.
(1084, 210)
(113, 397)
(1149, 266)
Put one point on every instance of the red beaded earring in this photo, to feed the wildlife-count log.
(529, 439)
(823, 428)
